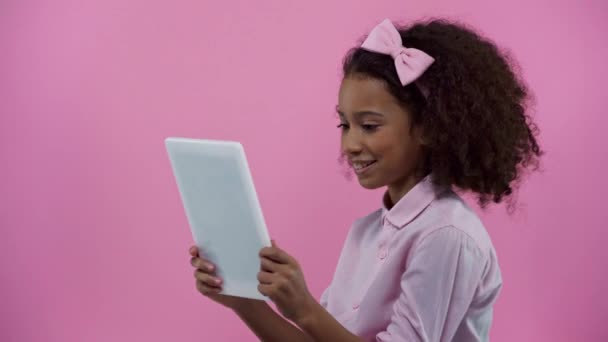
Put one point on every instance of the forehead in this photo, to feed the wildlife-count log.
(365, 93)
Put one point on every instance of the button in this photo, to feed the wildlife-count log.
(356, 305)
(382, 253)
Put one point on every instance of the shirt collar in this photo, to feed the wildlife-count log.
(411, 204)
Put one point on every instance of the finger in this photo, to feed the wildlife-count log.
(265, 289)
(193, 251)
(269, 265)
(202, 264)
(205, 289)
(207, 278)
(275, 254)
(266, 277)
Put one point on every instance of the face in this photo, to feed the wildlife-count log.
(376, 135)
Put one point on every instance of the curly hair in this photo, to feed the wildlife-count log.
(477, 133)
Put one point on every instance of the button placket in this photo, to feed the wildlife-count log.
(385, 239)
(382, 253)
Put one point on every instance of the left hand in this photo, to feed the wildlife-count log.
(281, 280)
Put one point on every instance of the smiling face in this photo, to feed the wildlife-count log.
(376, 136)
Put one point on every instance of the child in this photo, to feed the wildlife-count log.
(424, 110)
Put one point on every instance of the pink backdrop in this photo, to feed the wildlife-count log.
(94, 240)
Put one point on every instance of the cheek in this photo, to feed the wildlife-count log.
(386, 146)
(399, 153)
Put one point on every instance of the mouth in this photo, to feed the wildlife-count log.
(362, 167)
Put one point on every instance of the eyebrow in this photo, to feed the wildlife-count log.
(361, 114)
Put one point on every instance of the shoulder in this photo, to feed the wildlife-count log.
(450, 219)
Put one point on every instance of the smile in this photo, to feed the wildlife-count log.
(363, 167)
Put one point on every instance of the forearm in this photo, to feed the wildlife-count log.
(323, 327)
(269, 326)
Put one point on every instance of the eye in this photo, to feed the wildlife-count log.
(369, 127)
(343, 126)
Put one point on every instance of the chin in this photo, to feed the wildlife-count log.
(370, 184)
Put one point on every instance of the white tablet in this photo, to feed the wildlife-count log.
(222, 208)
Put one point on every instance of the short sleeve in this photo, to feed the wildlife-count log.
(437, 288)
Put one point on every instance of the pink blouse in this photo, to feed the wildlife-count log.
(425, 270)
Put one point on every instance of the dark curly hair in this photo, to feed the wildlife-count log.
(478, 135)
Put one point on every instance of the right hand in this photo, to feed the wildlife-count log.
(210, 285)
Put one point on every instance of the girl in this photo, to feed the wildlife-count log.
(425, 110)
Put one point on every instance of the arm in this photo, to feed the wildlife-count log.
(268, 326)
(281, 280)
(317, 325)
(437, 288)
(323, 327)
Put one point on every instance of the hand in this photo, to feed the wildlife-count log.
(281, 280)
(210, 285)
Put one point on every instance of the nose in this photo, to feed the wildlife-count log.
(351, 143)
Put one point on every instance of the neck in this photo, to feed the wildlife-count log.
(397, 190)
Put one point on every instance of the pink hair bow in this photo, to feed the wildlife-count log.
(410, 62)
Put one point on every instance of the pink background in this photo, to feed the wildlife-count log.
(94, 240)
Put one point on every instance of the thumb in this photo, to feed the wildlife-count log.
(274, 244)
